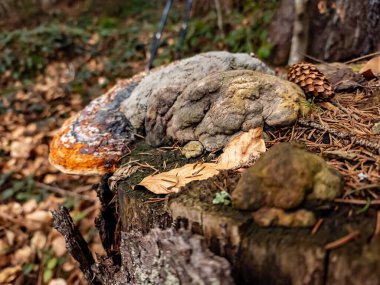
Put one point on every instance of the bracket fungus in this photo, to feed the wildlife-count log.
(94, 140)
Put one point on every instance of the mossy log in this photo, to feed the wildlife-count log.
(261, 255)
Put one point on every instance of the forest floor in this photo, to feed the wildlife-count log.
(51, 70)
(51, 66)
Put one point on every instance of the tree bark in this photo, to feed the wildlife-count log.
(263, 255)
(339, 29)
(164, 256)
(300, 35)
(75, 243)
(152, 254)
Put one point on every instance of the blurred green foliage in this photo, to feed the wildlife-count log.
(21, 190)
(27, 52)
(245, 31)
(127, 37)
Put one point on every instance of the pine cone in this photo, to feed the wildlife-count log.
(311, 80)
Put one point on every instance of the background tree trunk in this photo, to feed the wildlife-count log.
(339, 29)
(300, 31)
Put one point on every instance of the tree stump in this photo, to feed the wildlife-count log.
(183, 238)
(263, 255)
(259, 255)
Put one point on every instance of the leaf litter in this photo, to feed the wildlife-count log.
(30, 188)
(342, 133)
(28, 246)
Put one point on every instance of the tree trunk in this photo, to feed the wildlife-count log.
(339, 29)
(186, 239)
(261, 255)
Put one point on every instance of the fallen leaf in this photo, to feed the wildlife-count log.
(173, 180)
(372, 68)
(97, 248)
(38, 240)
(4, 246)
(68, 266)
(242, 149)
(16, 209)
(37, 220)
(4, 260)
(57, 281)
(22, 148)
(23, 255)
(10, 236)
(29, 206)
(51, 203)
(50, 178)
(9, 274)
(59, 246)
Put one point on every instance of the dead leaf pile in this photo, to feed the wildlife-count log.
(30, 250)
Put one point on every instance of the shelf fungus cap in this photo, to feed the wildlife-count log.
(93, 141)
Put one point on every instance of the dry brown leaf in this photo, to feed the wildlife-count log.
(22, 148)
(97, 248)
(29, 206)
(37, 220)
(22, 237)
(57, 281)
(38, 240)
(242, 149)
(173, 180)
(9, 274)
(372, 68)
(5, 208)
(50, 179)
(23, 255)
(51, 203)
(4, 260)
(10, 236)
(59, 246)
(68, 266)
(16, 209)
(4, 246)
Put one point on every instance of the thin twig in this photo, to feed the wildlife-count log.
(362, 57)
(197, 171)
(317, 226)
(313, 58)
(377, 228)
(219, 14)
(340, 134)
(356, 201)
(342, 241)
(167, 180)
(365, 187)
